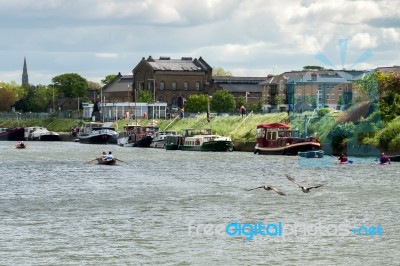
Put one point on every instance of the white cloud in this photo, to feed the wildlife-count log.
(363, 41)
(106, 55)
(101, 37)
(391, 35)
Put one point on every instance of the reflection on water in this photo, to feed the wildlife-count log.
(161, 207)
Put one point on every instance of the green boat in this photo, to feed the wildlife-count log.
(203, 140)
(173, 142)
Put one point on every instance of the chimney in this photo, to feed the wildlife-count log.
(314, 76)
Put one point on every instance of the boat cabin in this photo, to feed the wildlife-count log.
(131, 129)
(190, 132)
(89, 127)
(275, 135)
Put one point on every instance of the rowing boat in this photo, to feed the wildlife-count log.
(106, 162)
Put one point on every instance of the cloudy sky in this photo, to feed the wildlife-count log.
(95, 38)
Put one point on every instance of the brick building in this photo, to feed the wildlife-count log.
(172, 80)
(307, 90)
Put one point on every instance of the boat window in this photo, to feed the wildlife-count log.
(281, 134)
(260, 132)
(269, 135)
(274, 135)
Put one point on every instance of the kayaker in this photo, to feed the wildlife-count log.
(343, 158)
(384, 158)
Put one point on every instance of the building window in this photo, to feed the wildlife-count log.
(281, 85)
(162, 85)
(327, 96)
(197, 85)
(320, 95)
(173, 86)
(186, 86)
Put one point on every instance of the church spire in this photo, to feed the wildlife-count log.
(25, 74)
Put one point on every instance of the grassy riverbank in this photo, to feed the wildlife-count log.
(342, 131)
(237, 127)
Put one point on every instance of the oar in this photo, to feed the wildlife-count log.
(120, 160)
(91, 161)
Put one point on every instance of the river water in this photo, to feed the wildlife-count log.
(162, 207)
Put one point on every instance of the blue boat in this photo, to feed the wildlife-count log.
(312, 154)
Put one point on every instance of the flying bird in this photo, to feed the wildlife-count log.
(303, 188)
(268, 187)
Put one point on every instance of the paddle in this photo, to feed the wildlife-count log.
(120, 160)
(91, 161)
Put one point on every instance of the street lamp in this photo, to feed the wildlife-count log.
(128, 93)
(247, 93)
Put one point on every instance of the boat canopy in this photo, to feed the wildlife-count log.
(274, 126)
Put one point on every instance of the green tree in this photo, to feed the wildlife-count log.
(323, 111)
(259, 107)
(71, 84)
(145, 96)
(40, 98)
(220, 72)
(108, 79)
(196, 103)
(340, 100)
(222, 102)
(278, 100)
(389, 93)
(18, 89)
(368, 86)
(313, 68)
(240, 101)
(24, 102)
(7, 99)
(94, 85)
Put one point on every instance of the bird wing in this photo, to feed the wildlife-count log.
(316, 186)
(254, 188)
(277, 191)
(291, 179)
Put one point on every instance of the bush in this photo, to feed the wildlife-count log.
(323, 111)
(390, 135)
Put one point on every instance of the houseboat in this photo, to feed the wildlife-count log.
(125, 138)
(145, 137)
(96, 133)
(280, 139)
(137, 136)
(160, 137)
(14, 134)
(204, 140)
(173, 142)
(40, 133)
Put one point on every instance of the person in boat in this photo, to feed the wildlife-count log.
(109, 156)
(384, 158)
(343, 158)
(103, 156)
